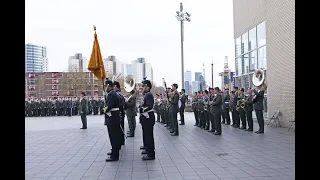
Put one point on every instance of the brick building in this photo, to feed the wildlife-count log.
(61, 84)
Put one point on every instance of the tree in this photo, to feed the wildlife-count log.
(75, 82)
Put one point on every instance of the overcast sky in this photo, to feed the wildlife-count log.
(130, 29)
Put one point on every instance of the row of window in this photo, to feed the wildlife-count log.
(249, 62)
(254, 38)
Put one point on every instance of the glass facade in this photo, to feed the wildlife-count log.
(261, 34)
(253, 60)
(252, 39)
(34, 58)
(262, 58)
(244, 43)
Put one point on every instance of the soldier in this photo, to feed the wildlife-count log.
(90, 106)
(64, 106)
(241, 110)
(49, 107)
(42, 107)
(58, 107)
(95, 106)
(84, 110)
(230, 107)
(206, 110)
(77, 106)
(258, 107)
(174, 109)
(25, 107)
(131, 113)
(235, 116)
(216, 109)
(248, 108)
(38, 108)
(225, 107)
(157, 107)
(147, 120)
(54, 107)
(112, 121)
(195, 108)
(183, 100)
(169, 120)
(211, 117)
(29, 109)
(69, 107)
(101, 105)
(117, 89)
(163, 108)
(201, 110)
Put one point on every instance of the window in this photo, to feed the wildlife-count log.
(238, 46)
(261, 34)
(244, 43)
(32, 81)
(239, 66)
(252, 39)
(54, 87)
(32, 88)
(262, 58)
(32, 75)
(253, 60)
(55, 81)
(245, 60)
(55, 93)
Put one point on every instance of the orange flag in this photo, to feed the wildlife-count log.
(96, 65)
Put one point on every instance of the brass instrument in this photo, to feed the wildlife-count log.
(258, 79)
(243, 104)
(238, 104)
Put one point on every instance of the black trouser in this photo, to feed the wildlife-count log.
(84, 120)
(158, 116)
(243, 118)
(147, 132)
(182, 115)
(236, 118)
(202, 120)
(101, 110)
(211, 117)
(196, 116)
(95, 110)
(174, 122)
(122, 139)
(226, 116)
(114, 131)
(259, 114)
(50, 112)
(69, 112)
(249, 119)
(206, 120)
(217, 121)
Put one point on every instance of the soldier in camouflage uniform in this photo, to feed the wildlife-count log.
(163, 109)
(195, 108)
(157, 107)
(130, 108)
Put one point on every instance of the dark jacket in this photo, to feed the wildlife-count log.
(258, 100)
(131, 107)
(84, 107)
(174, 108)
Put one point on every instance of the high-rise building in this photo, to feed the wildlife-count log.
(112, 66)
(85, 64)
(36, 59)
(197, 76)
(195, 86)
(128, 69)
(75, 63)
(264, 33)
(141, 69)
(188, 76)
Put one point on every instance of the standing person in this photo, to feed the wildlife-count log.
(225, 107)
(117, 89)
(131, 113)
(241, 111)
(216, 107)
(84, 110)
(248, 109)
(195, 108)
(69, 107)
(183, 100)
(235, 113)
(147, 120)
(112, 121)
(258, 107)
(211, 117)
(174, 109)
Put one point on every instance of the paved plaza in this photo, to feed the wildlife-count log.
(56, 149)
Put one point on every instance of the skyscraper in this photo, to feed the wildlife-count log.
(188, 76)
(112, 66)
(36, 59)
(140, 69)
(75, 63)
(197, 76)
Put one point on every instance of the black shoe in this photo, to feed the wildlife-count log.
(211, 130)
(130, 136)
(142, 147)
(83, 128)
(109, 153)
(228, 124)
(259, 132)
(144, 152)
(249, 129)
(222, 122)
(171, 131)
(181, 124)
(112, 159)
(243, 127)
(195, 124)
(174, 134)
(216, 133)
(165, 126)
(148, 157)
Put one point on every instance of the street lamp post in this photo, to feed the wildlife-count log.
(181, 16)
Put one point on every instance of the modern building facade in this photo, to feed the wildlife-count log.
(113, 66)
(61, 84)
(140, 69)
(197, 76)
(75, 63)
(36, 59)
(264, 33)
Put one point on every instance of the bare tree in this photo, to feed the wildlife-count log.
(74, 82)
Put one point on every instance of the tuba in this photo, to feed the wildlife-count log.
(129, 83)
(259, 79)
